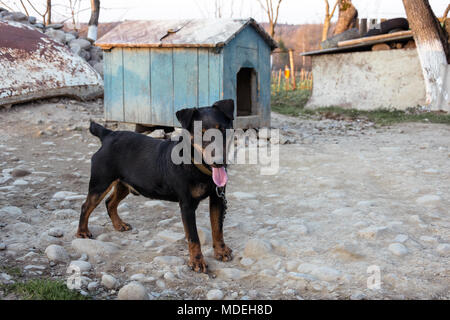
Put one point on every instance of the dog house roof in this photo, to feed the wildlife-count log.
(179, 33)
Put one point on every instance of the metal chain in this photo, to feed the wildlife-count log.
(220, 191)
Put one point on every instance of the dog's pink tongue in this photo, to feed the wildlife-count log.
(219, 176)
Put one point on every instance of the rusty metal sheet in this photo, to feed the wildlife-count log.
(178, 33)
(33, 66)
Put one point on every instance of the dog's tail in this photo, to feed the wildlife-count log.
(98, 130)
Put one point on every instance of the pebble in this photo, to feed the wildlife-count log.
(2, 246)
(154, 203)
(428, 199)
(150, 243)
(56, 232)
(168, 260)
(56, 253)
(94, 247)
(428, 239)
(443, 249)
(231, 273)
(61, 195)
(246, 262)
(243, 195)
(169, 276)
(108, 281)
(171, 236)
(18, 173)
(82, 43)
(372, 232)
(358, 296)
(92, 286)
(11, 210)
(138, 277)
(133, 291)
(401, 238)
(320, 272)
(81, 266)
(398, 249)
(66, 213)
(214, 294)
(257, 248)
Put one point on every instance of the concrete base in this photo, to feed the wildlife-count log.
(368, 80)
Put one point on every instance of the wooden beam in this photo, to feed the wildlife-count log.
(387, 37)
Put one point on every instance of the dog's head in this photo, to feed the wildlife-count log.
(211, 123)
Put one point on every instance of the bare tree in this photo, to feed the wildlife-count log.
(347, 16)
(93, 21)
(328, 16)
(268, 7)
(49, 12)
(446, 12)
(432, 47)
(45, 15)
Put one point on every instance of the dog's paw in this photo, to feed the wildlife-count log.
(84, 234)
(223, 253)
(123, 226)
(198, 264)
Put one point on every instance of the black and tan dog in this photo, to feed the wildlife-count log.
(132, 162)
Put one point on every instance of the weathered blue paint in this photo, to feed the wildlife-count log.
(203, 77)
(136, 75)
(215, 78)
(185, 78)
(248, 50)
(148, 85)
(114, 85)
(162, 86)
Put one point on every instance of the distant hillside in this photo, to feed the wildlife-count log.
(301, 38)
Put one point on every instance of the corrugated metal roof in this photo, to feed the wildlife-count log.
(179, 33)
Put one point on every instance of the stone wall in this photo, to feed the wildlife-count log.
(368, 80)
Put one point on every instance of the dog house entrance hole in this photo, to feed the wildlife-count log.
(246, 92)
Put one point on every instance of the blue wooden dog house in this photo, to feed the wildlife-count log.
(154, 68)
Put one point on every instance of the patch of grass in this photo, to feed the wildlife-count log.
(12, 271)
(43, 289)
(292, 103)
(382, 117)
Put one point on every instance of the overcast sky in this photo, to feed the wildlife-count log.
(291, 11)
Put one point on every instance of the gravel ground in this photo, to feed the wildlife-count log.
(350, 203)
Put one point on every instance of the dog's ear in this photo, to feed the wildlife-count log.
(185, 117)
(226, 106)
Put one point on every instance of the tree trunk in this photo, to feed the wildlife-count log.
(328, 16)
(93, 21)
(432, 47)
(271, 29)
(347, 16)
(49, 12)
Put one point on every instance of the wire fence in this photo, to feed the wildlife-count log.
(283, 80)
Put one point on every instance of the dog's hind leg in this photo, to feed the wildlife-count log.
(120, 192)
(217, 215)
(94, 197)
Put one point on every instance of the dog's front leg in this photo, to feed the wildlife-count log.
(217, 215)
(196, 260)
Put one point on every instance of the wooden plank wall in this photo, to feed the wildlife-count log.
(148, 86)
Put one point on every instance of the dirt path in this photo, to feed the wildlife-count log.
(349, 198)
